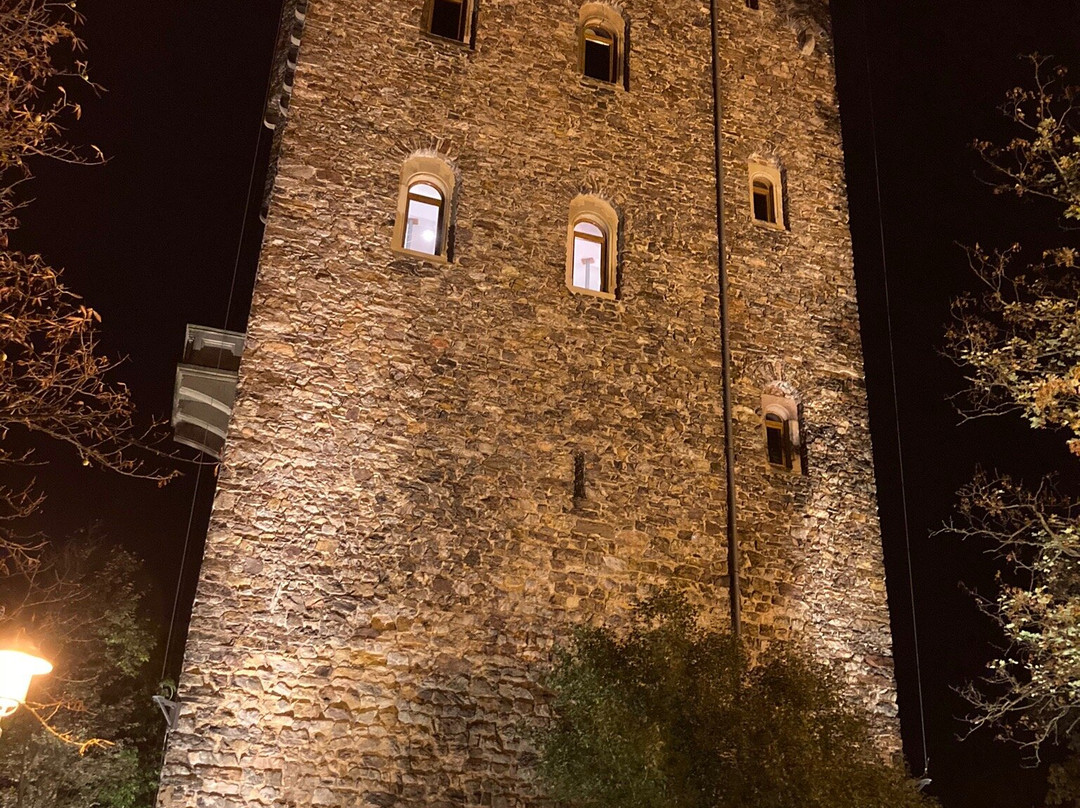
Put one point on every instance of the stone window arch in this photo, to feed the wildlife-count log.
(454, 20)
(602, 44)
(592, 236)
(766, 187)
(423, 226)
(781, 421)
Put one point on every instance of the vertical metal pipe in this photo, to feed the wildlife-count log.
(734, 594)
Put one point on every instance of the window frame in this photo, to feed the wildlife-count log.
(602, 240)
(410, 197)
(436, 172)
(597, 33)
(467, 23)
(780, 407)
(761, 187)
(775, 422)
(604, 18)
(593, 210)
(771, 176)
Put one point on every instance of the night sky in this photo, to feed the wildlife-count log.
(153, 240)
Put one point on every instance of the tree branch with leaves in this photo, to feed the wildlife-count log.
(1016, 338)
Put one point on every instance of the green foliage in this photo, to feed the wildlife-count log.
(669, 715)
(1065, 778)
(85, 603)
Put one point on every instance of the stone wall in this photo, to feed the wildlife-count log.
(811, 544)
(395, 546)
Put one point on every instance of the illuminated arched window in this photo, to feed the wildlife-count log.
(591, 249)
(424, 217)
(425, 203)
(590, 257)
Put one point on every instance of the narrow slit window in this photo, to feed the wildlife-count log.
(764, 201)
(777, 442)
(590, 257)
(449, 19)
(424, 219)
(752, 4)
(599, 57)
(579, 475)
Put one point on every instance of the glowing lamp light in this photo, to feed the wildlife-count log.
(429, 235)
(16, 670)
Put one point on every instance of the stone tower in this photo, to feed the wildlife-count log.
(484, 391)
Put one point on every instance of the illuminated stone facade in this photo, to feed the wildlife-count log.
(396, 544)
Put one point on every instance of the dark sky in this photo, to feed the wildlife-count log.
(151, 240)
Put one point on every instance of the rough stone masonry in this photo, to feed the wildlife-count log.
(396, 546)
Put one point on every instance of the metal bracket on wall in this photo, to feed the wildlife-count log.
(169, 708)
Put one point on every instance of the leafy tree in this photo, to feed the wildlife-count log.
(1065, 778)
(1018, 337)
(666, 714)
(86, 599)
(1017, 340)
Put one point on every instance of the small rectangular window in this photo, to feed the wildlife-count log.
(752, 4)
(599, 55)
(579, 475)
(448, 19)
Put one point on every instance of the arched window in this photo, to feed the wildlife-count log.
(764, 205)
(590, 257)
(591, 250)
(781, 419)
(602, 43)
(766, 195)
(424, 210)
(599, 51)
(424, 219)
(449, 19)
(777, 442)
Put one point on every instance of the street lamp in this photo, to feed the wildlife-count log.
(19, 662)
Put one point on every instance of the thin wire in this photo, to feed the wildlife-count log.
(225, 326)
(180, 576)
(895, 396)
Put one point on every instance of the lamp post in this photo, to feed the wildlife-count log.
(19, 663)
